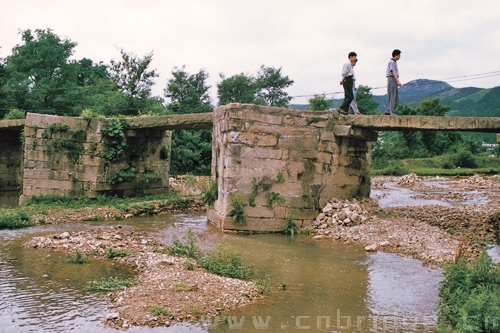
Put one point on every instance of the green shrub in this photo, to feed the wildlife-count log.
(114, 137)
(114, 253)
(126, 174)
(15, 220)
(188, 249)
(210, 195)
(470, 295)
(15, 114)
(225, 262)
(465, 159)
(77, 257)
(238, 212)
(290, 227)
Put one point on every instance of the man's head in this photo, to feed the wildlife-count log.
(352, 57)
(396, 52)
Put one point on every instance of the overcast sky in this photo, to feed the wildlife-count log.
(457, 41)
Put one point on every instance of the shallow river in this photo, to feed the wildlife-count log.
(330, 287)
(326, 284)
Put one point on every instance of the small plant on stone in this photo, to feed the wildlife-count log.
(238, 212)
(188, 266)
(181, 287)
(290, 227)
(273, 197)
(210, 195)
(190, 179)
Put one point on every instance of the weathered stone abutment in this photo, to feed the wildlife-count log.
(273, 161)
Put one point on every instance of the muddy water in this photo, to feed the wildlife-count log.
(329, 287)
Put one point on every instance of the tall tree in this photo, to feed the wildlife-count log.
(191, 149)
(188, 93)
(41, 76)
(239, 88)
(134, 79)
(271, 84)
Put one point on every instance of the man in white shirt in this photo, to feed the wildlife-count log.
(348, 82)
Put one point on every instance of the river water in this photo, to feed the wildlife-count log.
(329, 286)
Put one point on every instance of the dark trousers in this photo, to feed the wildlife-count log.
(348, 94)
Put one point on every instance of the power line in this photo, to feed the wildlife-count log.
(451, 79)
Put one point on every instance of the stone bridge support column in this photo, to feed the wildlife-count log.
(69, 156)
(270, 163)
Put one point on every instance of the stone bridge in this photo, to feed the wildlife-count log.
(268, 163)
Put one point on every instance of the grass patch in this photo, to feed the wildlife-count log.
(470, 296)
(225, 262)
(77, 257)
(157, 310)
(112, 283)
(113, 253)
(14, 219)
(460, 164)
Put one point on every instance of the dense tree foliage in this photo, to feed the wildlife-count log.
(267, 88)
(40, 76)
(366, 104)
(272, 84)
(418, 144)
(320, 102)
(191, 149)
(188, 93)
(239, 88)
(132, 77)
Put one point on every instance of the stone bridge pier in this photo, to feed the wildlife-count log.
(273, 162)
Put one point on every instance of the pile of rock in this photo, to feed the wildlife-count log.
(477, 180)
(409, 180)
(342, 213)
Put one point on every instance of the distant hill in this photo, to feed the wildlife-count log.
(469, 102)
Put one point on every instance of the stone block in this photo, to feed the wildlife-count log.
(299, 143)
(261, 153)
(260, 212)
(256, 225)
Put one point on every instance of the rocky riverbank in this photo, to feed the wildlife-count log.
(433, 234)
(169, 289)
